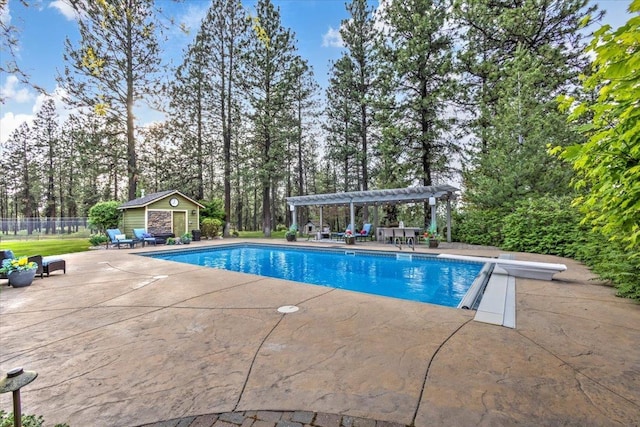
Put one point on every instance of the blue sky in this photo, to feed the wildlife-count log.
(45, 25)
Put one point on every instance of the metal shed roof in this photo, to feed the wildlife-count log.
(396, 195)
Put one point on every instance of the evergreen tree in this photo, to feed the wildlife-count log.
(270, 54)
(114, 65)
(359, 37)
(517, 164)
(418, 51)
(515, 58)
(341, 124)
(192, 117)
(226, 32)
(46, 132)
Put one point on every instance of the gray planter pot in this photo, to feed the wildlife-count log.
(19, 279)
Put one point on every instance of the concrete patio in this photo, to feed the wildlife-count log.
(122, 340)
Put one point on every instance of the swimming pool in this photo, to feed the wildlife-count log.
(413, 277)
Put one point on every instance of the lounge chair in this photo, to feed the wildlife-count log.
(365, 233)
(141, 235)
(118, 238)
(340, 236)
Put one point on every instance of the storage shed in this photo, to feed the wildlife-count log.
(161, 214)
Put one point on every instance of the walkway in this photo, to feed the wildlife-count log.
(122, 340)
(273, 419)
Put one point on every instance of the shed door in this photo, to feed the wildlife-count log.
(179, 223)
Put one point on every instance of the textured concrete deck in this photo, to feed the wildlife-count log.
(122, 340)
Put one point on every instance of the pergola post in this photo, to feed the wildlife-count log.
(448, 220)
(292, 208)
(352, 214)
(321, 222)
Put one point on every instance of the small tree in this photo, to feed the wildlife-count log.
(104, 215)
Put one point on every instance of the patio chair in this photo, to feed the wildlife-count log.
(118, 238)
(365, 233)
(141, 235)
(340, 236)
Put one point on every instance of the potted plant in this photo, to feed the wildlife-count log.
(349, 238)
(19, 271)
(432, 237)
(291, 233)
(185, 238)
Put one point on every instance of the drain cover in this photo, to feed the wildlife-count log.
(288, 309)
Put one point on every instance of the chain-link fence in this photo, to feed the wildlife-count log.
(36, 228)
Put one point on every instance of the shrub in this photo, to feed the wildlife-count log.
(98, 239)
(478, 227)
(104, 215)
(546, 225)
(6, 420)
(211, 227)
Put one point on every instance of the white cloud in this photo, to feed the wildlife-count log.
(57, 96)
(5, 16)
(332, 38)
(192, 18)
(65, 9)
(10, 122)
(10, 91)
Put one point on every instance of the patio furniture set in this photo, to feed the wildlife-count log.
(45, 265)
(118, 238)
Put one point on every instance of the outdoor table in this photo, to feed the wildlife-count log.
(393, 233)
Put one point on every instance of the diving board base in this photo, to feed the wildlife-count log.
(498, 304)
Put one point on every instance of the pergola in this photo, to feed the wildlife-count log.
(432, 193)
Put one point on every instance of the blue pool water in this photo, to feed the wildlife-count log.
(420, 278)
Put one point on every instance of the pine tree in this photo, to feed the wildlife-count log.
(114, 65)
(46, 131)
(225, 29)
(515, 58)
(341, 123)
(418, 51)
(270, 54)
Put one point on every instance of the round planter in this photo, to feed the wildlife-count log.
(433, 243)
(19, 279)
(291, 238)
(350, 240)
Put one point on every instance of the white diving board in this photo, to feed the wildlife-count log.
(525, 269)
(498, 303)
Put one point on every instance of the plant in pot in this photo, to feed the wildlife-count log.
(19, 271)
(291, 233)
(185, 238)
(349, 238)
(432, 237)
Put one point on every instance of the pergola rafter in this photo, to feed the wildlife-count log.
(433, 194)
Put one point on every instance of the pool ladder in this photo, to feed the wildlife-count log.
(409, 241)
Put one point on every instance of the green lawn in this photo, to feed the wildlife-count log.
(46, 247)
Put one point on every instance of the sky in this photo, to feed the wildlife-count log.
(46, 23)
